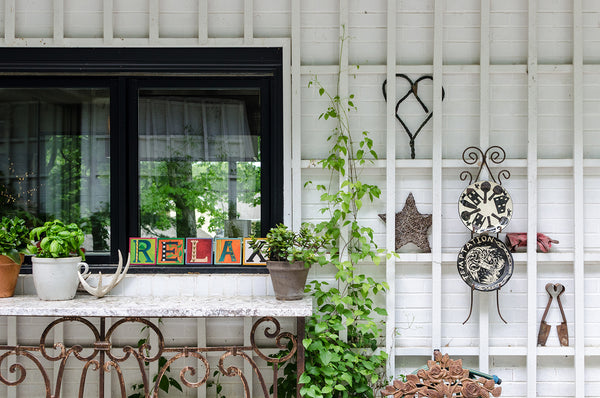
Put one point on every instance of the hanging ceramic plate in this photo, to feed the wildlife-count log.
(485, 206)
(485, 263)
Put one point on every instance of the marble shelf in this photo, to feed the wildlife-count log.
(157, 307)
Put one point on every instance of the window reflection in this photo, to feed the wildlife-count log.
(54, 158)
(199, 162)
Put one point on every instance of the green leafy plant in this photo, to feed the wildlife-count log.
(56, 239)
(283, 244)
(14, 238)
(166, 381)
(216, 383)
(343, 336)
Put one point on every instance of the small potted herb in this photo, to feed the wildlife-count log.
(290, 255)
(57, 259)
(14, 240)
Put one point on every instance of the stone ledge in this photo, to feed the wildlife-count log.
(157, 307)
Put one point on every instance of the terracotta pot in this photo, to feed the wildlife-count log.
(56, 278)
(9, 273)
(288, 279)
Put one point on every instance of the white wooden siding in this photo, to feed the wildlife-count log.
(524, 75)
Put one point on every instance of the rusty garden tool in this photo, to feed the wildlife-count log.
(554, 291)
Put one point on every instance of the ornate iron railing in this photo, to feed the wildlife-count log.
(106, 359)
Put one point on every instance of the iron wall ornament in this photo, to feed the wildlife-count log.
(413, 90)
(474, 155)
(485, 263)
(485, 206)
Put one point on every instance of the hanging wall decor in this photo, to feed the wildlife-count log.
(411, 226)
(485, 263)
(413, 90)
(554, 291)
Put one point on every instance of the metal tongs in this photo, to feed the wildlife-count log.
(554, 290)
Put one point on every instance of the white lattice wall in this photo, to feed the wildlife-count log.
(521, 74)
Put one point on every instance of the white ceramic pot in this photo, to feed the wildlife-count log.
(56, 278)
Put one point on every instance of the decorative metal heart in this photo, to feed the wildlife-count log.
(413, 90)
(555, 290)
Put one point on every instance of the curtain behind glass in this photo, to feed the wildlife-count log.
(199, 166)
(54, 159)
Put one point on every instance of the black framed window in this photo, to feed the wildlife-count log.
(158, 143)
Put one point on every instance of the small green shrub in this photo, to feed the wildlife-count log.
(56, 239)
(282, 244)
(14, 238)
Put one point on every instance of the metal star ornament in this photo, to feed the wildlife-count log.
(411, 226)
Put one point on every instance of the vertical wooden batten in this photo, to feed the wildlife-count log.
(578, 200)
(58, 22)
(201, 341)
(343, 93)
(436, 175)
(202, 22)
(153, 22)
(296, 154)
(9, 22)
(287, 129)
(107, 19)
(532, 199)
(390, 200)
(484, 143)
(11, 339)
(248, 21)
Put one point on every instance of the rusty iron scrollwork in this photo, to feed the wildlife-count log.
(475, 156)
(104, 358)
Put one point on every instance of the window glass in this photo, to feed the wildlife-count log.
(199, 162)
(55, 158)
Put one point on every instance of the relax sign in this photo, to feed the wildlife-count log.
(195, 251)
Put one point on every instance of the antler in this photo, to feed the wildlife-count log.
(101, 291)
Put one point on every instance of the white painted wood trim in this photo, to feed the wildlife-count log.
(201, 341)
(248, 21)
(296, 117)
(9, 22)
(58, 333)
(287, 132)
(153, 22)
(107, 19)
(532, 201)
(390, 200)
(484, 142)
(11, 340)
(58, 21)
(578, 200)
(343, 94)
(153, 367)
(203, 21)
(436, 173)
(248, 322)
(108, 377)
(145, 42)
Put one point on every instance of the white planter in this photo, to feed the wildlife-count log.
(56, 278)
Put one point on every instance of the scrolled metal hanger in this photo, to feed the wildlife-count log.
(473, 155)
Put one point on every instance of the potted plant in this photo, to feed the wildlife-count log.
(290, 255)
(57, 258)
(14, 239)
